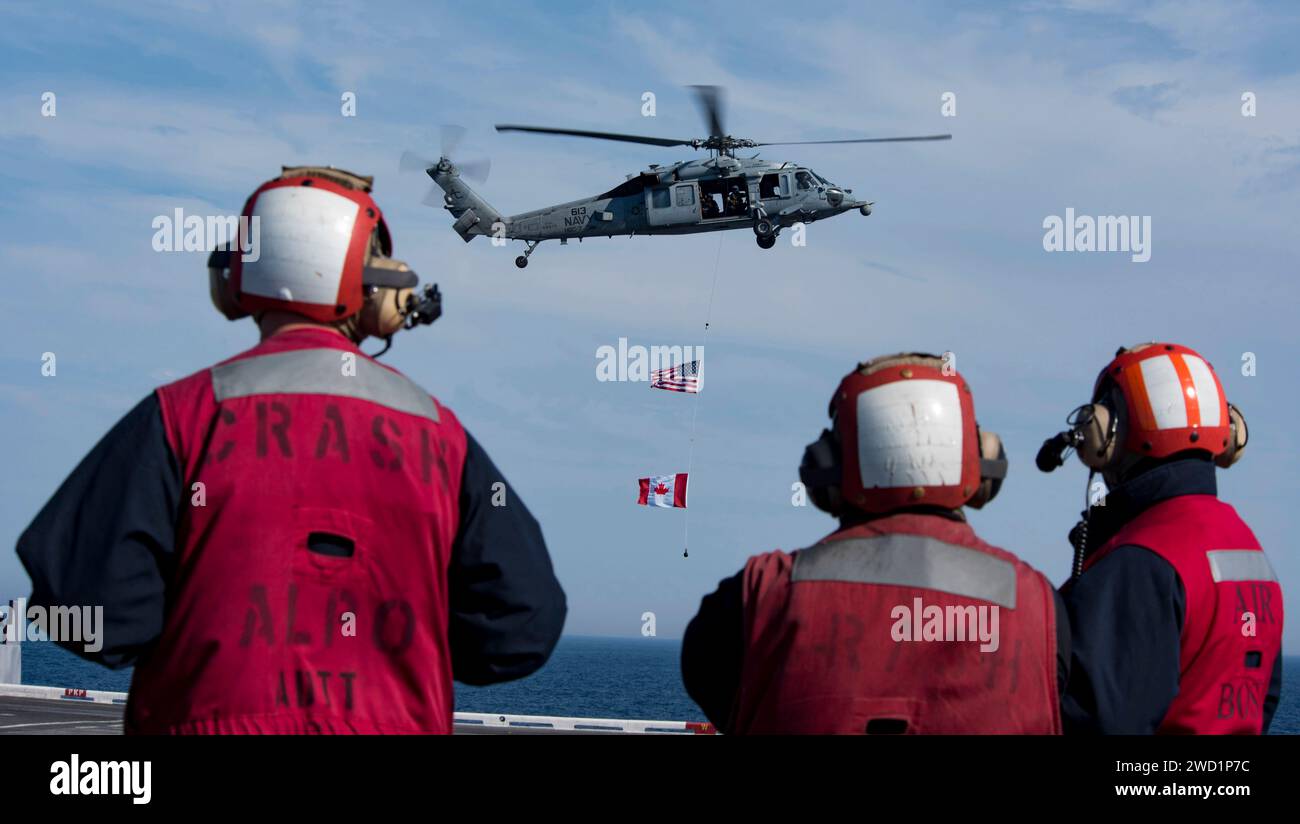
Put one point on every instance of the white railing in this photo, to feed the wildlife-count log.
(555, 723)
(485, 720)
(62, 694)
(11, 660)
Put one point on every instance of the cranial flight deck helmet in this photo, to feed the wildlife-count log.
(1152, 401)
(903, 435)
(318, 246)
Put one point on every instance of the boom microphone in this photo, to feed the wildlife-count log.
(1051, 455)
(423, 307)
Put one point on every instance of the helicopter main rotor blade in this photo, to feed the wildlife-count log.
(624, 138)
(859, 140)
(709, 99)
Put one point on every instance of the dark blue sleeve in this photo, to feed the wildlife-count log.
(507, 608)
(1126, 622)
(1064, 643)
(106, 538)
(713, 651)
(1274, 694)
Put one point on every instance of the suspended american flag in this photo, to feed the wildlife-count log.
(684, 377)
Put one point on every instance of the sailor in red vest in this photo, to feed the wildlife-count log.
(902, 620)
(300, 539)
(1175, 610)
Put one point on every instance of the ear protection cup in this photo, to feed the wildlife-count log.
(388, 286)
(382, 313)
(1237, 440)
(820, 473)
(1097, 435)
(221, 289)
(993, 469)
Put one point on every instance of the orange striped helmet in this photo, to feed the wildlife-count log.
(1175, 400)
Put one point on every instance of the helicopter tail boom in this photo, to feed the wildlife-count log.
(474, 216)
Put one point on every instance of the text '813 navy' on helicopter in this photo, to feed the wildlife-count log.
(703, 195)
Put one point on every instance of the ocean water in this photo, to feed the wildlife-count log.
(587, 676)
(593, 677)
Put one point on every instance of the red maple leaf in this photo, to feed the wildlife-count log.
(661, 489)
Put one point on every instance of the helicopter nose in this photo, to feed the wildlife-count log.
(834, 196)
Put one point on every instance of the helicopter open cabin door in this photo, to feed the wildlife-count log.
(668, 205)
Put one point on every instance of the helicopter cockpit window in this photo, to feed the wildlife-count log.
(685, 196)
(661, 198)
(804, 180)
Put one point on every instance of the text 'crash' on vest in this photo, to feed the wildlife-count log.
(278, 433)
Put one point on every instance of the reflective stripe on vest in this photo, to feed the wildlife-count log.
(901, 559)
(1240, 565)
(320, 372)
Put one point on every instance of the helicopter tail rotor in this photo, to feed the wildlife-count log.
(451, 137)
(474, 215)
(477, 169)
(412, 162)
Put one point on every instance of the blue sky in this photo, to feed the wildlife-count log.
(1106, 107)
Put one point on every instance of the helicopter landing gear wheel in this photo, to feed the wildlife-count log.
(522, 260)
(766, 241)
(762, 227)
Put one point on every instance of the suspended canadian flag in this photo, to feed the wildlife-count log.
(663, 490)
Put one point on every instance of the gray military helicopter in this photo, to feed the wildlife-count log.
(702, 195)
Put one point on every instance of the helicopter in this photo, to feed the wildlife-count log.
(720, 192)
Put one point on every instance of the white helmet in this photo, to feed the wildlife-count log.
(320, 238)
